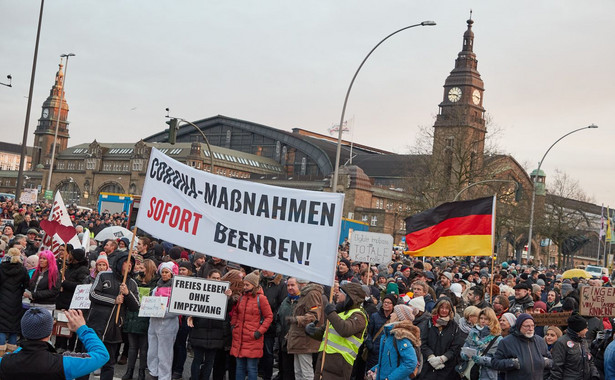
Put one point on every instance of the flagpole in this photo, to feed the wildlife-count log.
(326, 337)
(600, 233)
(493, 256)
(132, 243)
(64, 261)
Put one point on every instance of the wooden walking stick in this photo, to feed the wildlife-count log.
(132, 243)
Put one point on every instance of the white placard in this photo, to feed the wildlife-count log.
(370, 247)
(152, 306)
(81, 297)
(288, 231)
(198, 297)
(28, 196)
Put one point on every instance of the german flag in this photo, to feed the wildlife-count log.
(453, 229)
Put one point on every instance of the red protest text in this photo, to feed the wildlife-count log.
(174, 216)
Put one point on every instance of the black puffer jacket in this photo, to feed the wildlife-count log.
(207, 333)
(104, 291)
(74, 275)
(13, 282)
(275, 291)
(41, 293)
(571, 359)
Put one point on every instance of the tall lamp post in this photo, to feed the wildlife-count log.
(55, 135)
(339, 135)
(173, 127)
(529, 241)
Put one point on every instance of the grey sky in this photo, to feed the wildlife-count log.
(547, 67)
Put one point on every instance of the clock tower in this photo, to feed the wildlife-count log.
(459, 130)
(45, 130)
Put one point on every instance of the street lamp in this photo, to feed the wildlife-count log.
(211, 153)
(341, 129)
(529, 241)
(55, 135)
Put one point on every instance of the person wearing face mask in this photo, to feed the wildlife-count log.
(441, 342)
(162, 331)
(521, 355)
(484, 338)
(571, 357)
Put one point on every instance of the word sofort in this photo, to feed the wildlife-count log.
(173, 215)
(268, 246)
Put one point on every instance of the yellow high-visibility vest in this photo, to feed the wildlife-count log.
(347, 347)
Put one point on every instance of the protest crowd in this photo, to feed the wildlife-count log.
(438, 318)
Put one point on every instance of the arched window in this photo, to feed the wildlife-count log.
(70, 192)
(111, 187)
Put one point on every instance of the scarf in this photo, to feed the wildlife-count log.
(294, 298)
(163, 288)
(440, 321)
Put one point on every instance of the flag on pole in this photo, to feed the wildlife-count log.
(609, 235)
(602, 227)
(453, 229)
(59, 214)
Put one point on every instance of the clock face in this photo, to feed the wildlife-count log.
(45, 112)
(454, 94)
(476, 97)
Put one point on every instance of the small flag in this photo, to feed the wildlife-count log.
(453, 229)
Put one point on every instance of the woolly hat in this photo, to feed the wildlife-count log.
(31, 262)
(125, 241)
(185, 264)
(457, 289)
(171, 266)
(447, 275)
(102, 258)
(138, 258)
(510, 318)
(540, 305)
(391, 297)
(175, 253)
(536, 288)
(577, 323)
(566, 288)
(419, 265)
(540, 282)
(404, 312)
(346, 262)
(417, 303)
(36, 323)
(392, 288)
(404, 268)
(253, 278)
(78, 254)
(522, 318)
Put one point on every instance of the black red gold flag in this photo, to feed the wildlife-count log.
(453, 229)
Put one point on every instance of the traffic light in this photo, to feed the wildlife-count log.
(173, 126)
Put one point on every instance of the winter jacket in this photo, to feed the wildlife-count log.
(372, 343)
(133, 324)
(105, 289)
(480, 340)
(39, 286)
(594, 325)
(275, 291)
(14, 281)
(609, 361)
(518, 306)
(571, 359)
(207, 333)
(447, 342)
(422, 322)
(531, 353)
(397, 363)
(246, 320)
(309, 309)
(38, 360)
(75, 274)
(283, 320)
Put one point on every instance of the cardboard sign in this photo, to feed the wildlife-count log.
(597, 301)
(152, 306)
(28, 196)
(551, 319)
(370, 247)
(198, 297)
(81, 297)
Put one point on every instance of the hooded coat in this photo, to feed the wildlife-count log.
(14, 281)
(372, 342)
(529, 351)
(275, 291)
(571, 359)
(75, 274)
(398, 364)
(246, 320)
(105, 289)
(308, 309)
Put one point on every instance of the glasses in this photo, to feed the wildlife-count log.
(526, 326)
(387, 302)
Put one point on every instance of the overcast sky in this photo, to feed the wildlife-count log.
(547, 68)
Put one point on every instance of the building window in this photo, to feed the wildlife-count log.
(351, 215)
(364, 219)
(374, 221)
(70, 192)
(303, 165)
(90, 164)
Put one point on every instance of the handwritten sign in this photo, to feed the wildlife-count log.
(551, 319)
(597, 301)
(154, 307)
(370, 247)
(28, 196)
(81, 297)
(198, 297)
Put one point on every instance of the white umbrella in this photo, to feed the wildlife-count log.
(113, 232)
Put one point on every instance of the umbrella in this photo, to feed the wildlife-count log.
(113, 232)
(570, 273)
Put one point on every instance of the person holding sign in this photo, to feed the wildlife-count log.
(162, 331)
(108, 293)
(250, 320)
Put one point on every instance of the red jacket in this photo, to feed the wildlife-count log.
(245, 320)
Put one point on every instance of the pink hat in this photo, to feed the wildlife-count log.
(102, 258)
(171, 266)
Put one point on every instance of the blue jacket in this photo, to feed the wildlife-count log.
(480, 340)
(82, 364)
(609, 361)
(397, 364)
(376, 321)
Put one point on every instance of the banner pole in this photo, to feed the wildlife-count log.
(64, 261)
(132, 243)
(324, 350)
(493, 255)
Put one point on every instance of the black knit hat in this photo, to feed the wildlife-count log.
(78, 254)
(577, 323)
(36, 323)
(346, 262)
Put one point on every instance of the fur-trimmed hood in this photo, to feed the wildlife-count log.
(275, 280)
(405, 329)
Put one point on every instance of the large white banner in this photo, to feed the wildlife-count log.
(288, 231)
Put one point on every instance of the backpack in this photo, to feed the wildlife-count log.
(419, 360)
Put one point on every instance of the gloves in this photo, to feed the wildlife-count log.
(443, 358)
(329, 308)
(257, 334)
(434, 361)
(310, 328)
(515, 362)
(548, 362)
